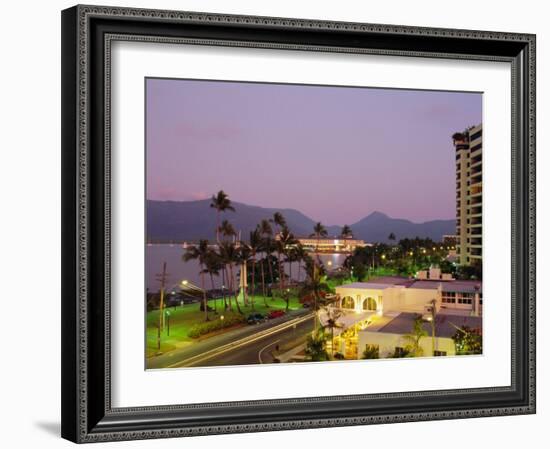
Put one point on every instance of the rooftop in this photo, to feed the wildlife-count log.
(367, 285)
(384, 282)
(444, 324)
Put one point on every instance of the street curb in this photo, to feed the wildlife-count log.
(235, 344)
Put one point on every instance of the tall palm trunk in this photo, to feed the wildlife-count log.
(281, 274)
(230, 289)
(218, 226)
(253, 280)
(223, 288)
(263, 282)
(270, 266)
(205, 301)
(234, 290)
(289, 269)
(213, 288)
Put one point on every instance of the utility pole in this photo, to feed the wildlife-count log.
(162, 278)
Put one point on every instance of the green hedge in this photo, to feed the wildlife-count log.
(210, 326)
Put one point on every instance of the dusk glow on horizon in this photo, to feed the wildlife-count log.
(336, 154)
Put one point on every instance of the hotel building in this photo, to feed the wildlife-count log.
(469, 176)
(382, 312)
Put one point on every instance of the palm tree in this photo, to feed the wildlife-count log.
(300, 255)
(314, 286)
(199, 252)
(221, 203)
(332, 323)
(255, 242)
(279, 222)
(267, 232)
(284, 245)
(318, 231)
(413, 338)
(226, 229)
(212, 267)
(244, 254)
(346, 232)
(290, 257)
(230, 256)
(316, 348)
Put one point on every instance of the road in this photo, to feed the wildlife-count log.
(260, 351)
(178, 357)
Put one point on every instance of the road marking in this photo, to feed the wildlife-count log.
(264, 348)
(237, 344)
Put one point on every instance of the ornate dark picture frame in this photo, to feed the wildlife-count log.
(87, 34)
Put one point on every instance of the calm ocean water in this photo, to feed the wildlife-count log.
(178, 270)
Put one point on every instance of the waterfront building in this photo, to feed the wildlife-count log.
(365, 308)
(332, 245)
(469, 177)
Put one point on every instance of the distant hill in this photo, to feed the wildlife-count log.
(377, 226)
(192, 220)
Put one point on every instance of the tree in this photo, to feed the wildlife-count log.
(199, 252)
(315, 287)
(318, 231)
(300, 255)
(221, 203)
(391, 236)
(267, 232)
(244, 255)
(467, 341)
(332, 323)
(279, 222)
(255, 244)
(371, 352)
(413, 338)
(230, 255)
(346, 232)
(227, 230)
(316, 348)
(284, 246)
(212, 267)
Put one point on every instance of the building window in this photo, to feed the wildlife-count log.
(448, 297)
(400, 352)
(440, 353)
(369, 304)
(347, 303)
(476, 135)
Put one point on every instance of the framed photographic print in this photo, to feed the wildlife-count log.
(284, 223)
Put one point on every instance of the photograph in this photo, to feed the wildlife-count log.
(300, 223)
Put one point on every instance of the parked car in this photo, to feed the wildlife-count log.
(255, 318)
(275, 314)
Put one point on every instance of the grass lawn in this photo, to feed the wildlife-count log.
(182, 318)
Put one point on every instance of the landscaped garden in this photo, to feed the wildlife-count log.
(185, 324)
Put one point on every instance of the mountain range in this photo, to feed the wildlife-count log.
(180, 221)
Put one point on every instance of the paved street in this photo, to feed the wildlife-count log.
(178, 356)
(260, 351)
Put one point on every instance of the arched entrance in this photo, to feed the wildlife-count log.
(347, 303)
(369, 304)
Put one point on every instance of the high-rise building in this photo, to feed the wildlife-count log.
(469, 194)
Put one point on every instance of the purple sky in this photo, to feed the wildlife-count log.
(336, 154)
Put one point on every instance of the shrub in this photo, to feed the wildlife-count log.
(206, 327)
